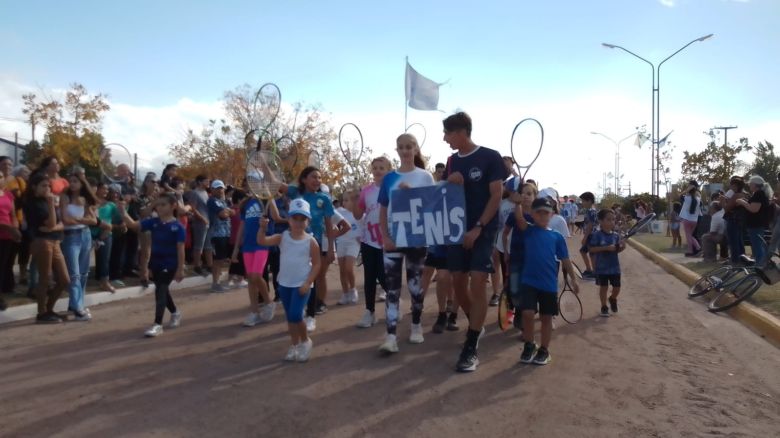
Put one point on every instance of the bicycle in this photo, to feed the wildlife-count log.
(733, 284)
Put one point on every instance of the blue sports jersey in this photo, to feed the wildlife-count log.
(479, 168)
(547, 247)
(517, 246)
(607, 263)
(251, 213)
(218, 227)
(165, 237)
(320, 207)
(592, 217)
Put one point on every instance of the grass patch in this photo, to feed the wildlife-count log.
(767, 297)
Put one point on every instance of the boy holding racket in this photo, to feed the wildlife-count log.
(482, 172)
(605, 244)
(539, 277)
(588, 199)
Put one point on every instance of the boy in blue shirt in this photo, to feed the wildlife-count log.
(605, 244)
(539, 278)
(588, 199)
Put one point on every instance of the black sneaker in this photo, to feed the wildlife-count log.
(613, 304)
(468, 361)
(493, 300)
(542, 357)
(3, 305)
(441, 323)
(452, 323)
(321, 308)
(200, 271)
(529, 351)
(604, 312)
(144, 283)
(48, 318)
(588, 275)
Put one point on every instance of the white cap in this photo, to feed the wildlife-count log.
(299, 206)
(549, 192)
(217, 184)
(324, 188)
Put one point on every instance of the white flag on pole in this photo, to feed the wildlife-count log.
(640, 140)
(421, 92)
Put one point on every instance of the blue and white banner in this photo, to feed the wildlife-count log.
(427, 216)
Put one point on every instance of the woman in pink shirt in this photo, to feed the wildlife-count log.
(367, 212)
(9, 234)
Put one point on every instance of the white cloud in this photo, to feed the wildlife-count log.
(668, 3)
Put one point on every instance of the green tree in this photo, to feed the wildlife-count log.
(766, 163)
(716, 163)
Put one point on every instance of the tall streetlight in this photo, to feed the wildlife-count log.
(617, 157)
(655, 131)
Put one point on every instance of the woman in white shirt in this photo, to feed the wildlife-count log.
(691, 210)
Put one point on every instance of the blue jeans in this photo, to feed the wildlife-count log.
(76, 247)
(103, 259)
(756, 236)
(734, 238)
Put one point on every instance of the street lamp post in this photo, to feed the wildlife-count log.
(655, 131)
(617, 157)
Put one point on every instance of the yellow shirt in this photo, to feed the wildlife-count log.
(17, 186)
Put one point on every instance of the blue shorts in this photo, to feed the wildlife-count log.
(479, 258)
(293, 303)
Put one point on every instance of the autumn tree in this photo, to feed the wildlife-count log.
(220, 148)
(73, 127)
(716, 163)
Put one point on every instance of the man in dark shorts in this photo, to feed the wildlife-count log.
(481, 171)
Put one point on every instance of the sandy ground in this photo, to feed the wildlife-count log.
(662, 367)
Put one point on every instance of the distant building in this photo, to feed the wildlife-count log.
(11, 149)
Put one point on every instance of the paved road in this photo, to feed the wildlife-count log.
(662, 367)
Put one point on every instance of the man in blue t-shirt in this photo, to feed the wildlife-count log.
(539, 278)
(482, 172)
(219, 232)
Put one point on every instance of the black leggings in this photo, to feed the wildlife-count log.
(162, 294)
(272, 269)
(373, 270)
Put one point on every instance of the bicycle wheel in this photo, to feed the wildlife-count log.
(709, 281)
(733, 294)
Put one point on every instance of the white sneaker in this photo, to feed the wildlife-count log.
(252, 320)
(367, 320)
(390, 345)
(154, 331)
(311, 324)
(304, 350)
(344, 299)
(292, 354)
(267, 312)
(382, 296)
(175, 320)
(417, 334)
(353, 296)
(242, 284)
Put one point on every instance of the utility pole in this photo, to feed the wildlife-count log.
(725, 130)
(16, 148)
(629, 189)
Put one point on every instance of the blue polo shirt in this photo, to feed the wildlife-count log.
(607, 263)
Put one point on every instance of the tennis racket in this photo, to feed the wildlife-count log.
(639, 226)
(418, 131)
(263, 169)
(526, 145)
(569, 304)
(506, 311)
(351, 144)
(266, 105)
(116, 163)
(314, 159)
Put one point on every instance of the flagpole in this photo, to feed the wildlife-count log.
(406, 103)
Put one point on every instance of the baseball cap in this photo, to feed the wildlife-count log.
(299, 206)
(324, 188)
(549, 192)
(513, 184)
(217, 184)
(542, 204)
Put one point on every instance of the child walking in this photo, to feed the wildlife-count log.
(674, 225)
(166, 261)
(299, 265)
(588, 199)
(539, 277)
(605, 245)
(348, 248)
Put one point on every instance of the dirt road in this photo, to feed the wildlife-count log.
(662, 367)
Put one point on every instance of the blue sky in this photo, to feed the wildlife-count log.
(505, 61)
